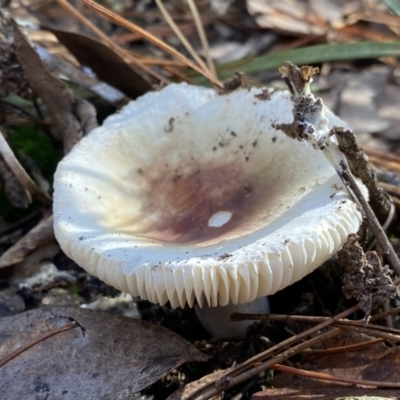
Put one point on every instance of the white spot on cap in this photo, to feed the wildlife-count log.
(219, 218)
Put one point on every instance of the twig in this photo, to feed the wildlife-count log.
(386, 224)
(134, 60)
(359, 166)
(332, 378)
(20, 172)
(385, 246)
(203, 36)
(246, 370)
(345, 349)
(38, 339)
(167, 16)
(227, 382)
(142, 32)
(313, 320)
(371, 332)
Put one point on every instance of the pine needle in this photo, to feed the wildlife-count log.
(202, 36)
(167, 16)
(149, 37)
(119, 50)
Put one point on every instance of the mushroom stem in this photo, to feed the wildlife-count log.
(216, 320)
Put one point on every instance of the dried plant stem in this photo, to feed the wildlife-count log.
(151, 38)
(181, 36)
(203, 36)
(371, 332)
(332, 378)
(345, 349)
(386, 224)
(247, 370)
(227, 382)
(20, 172)
(385, 246)
(342, 323)
(359, 166)
(305, 319)
(120, 51)
(35, 341)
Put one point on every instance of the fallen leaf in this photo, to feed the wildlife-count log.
(107, 65)
(190, 389)
(377, 362)
(105, 357)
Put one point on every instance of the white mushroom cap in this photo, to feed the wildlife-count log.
(189, 195)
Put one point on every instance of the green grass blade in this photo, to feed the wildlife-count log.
(393, 5)
(314, 54)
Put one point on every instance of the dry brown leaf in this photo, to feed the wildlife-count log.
(190, 389)
(105, 357)
(72, 117)
(41, 235)
(107, 65)
(376, 363)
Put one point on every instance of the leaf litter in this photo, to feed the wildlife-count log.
(101, 357)
(70, 118)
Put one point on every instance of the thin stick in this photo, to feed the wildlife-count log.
(371, 332)
(38, 339)
(20, 172)
(246, 370)
(203, 36)
(332, 378)
(152, 39)
(181, 36)
(344, 349)
(119, 50)
(227, 382)
(314, 320)
(386, 224)
(373, 223)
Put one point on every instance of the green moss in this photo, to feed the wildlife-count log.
(30, 141)
(74, 289)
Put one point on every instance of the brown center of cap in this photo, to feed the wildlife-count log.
(202, 204)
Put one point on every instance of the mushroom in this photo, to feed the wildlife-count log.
(187, 195)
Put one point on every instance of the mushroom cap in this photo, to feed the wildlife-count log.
(189, 195)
